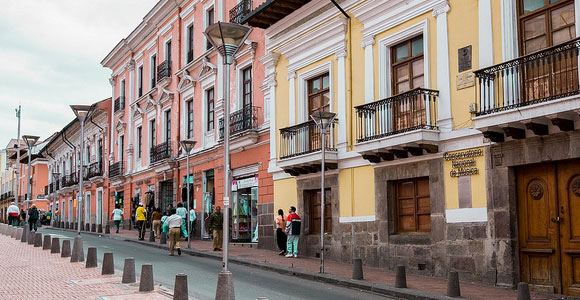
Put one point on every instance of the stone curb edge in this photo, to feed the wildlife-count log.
(308, 275)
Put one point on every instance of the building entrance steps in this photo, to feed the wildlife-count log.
(339, 273)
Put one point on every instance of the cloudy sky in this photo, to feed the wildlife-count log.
(50, 54)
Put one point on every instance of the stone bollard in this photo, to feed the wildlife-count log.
(87, 227)
(65, 249)
(15, 233)
(23, 237)
(66, 226)
(31, 237)
(146, 281)
(19, 233)
(523, 291)
(162, 238)
(180, 287)
(108, 264)
(93, 227)
(55, 245)
(453, 285)
(107, 229)
(10, 231)
(100, 228)
(357, 270)
(129, 271)
(91, 258)
(46, 244)
(401, 278)
(152, 236)
(78, 253)
(38, 239)
(3, 229)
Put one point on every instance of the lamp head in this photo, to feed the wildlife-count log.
(227, 38)
(30, 140)
(323, 119)
(187, 145)
(81, 111)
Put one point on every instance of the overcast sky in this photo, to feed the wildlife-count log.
(50, 54)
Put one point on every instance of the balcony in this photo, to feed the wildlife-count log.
(244, 119)
(164, 73)
(70, 180)
(398, 126)
(300, 146)
(116, 169)
(160, 152)
(95, 170)
(531, 95)
(270, 12)
(119, 104)
(239, 11)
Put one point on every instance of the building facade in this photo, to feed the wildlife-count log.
(33, 191)
(454, 145)
(168, 85)
(8, 177)
(63, 159)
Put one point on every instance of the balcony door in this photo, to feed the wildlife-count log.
(544, 24)
(318, 100)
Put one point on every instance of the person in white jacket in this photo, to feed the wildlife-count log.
(13, 213)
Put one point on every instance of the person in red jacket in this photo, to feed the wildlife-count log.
(293, 223)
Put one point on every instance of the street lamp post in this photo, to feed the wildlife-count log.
(30, 141)
(187, 146)
(81, 112)
(323, 120)
(227, 38)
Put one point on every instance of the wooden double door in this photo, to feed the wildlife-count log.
(549, 226)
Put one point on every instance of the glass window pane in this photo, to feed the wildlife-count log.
(325, 81)
(403, 87)
(326, 101)
(417, 67)
(417, 46)
(314, 85)
(563, 35)
(401, 52)
(535, 26)
(563, 16)
(536, 44)
(402, 73)
(531, 5)
(418, 82)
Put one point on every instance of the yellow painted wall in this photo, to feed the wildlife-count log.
(285, 194)
(496, 28)
(358, 73)
(357, 191)
(478, 187)
(282, 89)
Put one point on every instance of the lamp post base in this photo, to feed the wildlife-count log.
(225, 286)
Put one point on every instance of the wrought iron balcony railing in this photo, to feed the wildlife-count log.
(160, 152)
(305, 138)
(95, 169)
(164, 70)
(541, 76)
(119, 103)
(412, 110)
(242, 120)
(116, 169)
(241, 10)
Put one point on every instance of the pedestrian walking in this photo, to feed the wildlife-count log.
(182, 212)
(174, 223)
(22, 217)
(156, 217)
(216, 225)
(281, 232)
(33, 218)
(117, 217)
(140, 217)
(12, 213)
(293, 223)
(164, 228)
(192, 218)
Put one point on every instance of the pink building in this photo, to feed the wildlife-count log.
(167, 85)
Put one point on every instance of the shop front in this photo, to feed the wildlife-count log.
(245, 209)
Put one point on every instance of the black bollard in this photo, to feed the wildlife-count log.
(100, 228)
(146, 281)
(453, 285)
(108, 264)
(523, 291)
(152, 236)
(129, 271)
(357, 270)
(93, 227)
(401, 278)
(78, 253)
(55, 245)
(24, 235)
(65, 249)
(162, 238)
(107, 229)
(46, 244)
(31, 237)
(91, 258)
(87, 227)
(180, 291)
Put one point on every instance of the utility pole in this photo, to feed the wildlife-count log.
(17, 194)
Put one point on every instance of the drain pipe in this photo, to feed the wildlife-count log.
(340, 8)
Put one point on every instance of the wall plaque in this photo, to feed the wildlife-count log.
(465, 80)
(464, 58)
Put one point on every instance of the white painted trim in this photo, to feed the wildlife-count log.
(240, 82)
(188, 10)
(354, 219)
(185, 39)
(385, 44)
(152, 68)
(163, 116)
(445, 120)
(165, 29)
(207, 7)
(466, 215)
(303, 88)
(152, 43)
(165, 41)
(341, 99)
(99, 213)
(369, 78)
(485, 34)
(291, 98)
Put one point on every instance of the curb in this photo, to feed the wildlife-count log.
(377, 288)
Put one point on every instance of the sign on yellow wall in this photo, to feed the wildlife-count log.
(465, 178)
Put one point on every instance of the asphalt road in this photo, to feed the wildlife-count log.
(249, 283)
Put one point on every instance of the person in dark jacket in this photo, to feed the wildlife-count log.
(216, 225)
(32, 217)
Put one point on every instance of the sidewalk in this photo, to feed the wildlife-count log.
(27, 272)
(338, 273)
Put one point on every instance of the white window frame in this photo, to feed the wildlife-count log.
(70, 209)
(138, 160)
(99, 212)
(119, 149)
(385, 45)
(164, 118)
(143, 79)
(240, 81)
(87, 206)
(150, 118)
(207, 7)
(303, 89)
(152, 68)
(186, 24)
(165, 41)
(184, 118)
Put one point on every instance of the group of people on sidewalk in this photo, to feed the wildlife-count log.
(288, 232)
(16, 216)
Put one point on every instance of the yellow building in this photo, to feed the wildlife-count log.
(440, 106)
